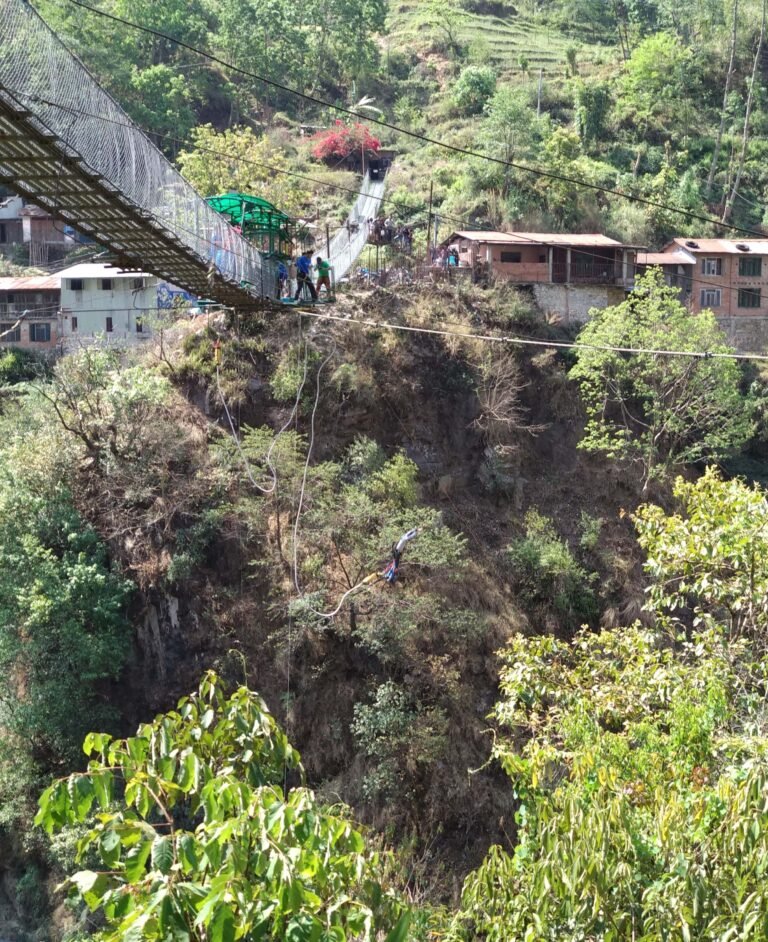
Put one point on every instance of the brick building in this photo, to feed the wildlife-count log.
(728, 276)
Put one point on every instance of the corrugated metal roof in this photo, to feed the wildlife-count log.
(723, 246)
(590, 240)
(31, 283)
(94, 270)
(664, 258)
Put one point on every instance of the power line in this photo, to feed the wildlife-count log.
(529, 342)
(692, 279)
(425, 139)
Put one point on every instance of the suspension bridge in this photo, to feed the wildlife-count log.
(66, 144)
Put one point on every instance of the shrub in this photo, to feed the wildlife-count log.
(343, 140)
(546, 571)
(473, 88)
(401, 736)
(17, 366)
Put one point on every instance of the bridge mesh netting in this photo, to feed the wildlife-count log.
(349, 241)
(46, 80)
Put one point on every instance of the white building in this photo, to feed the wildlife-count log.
(120, 305)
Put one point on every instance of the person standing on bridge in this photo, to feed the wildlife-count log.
(323, 276)
(304, 275)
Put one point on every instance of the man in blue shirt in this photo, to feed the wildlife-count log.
(304, 275)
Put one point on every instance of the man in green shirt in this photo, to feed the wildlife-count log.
(323, 275)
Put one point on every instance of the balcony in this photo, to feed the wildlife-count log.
(33, 311)
(598, 272)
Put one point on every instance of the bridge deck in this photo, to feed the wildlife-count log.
(67, 145)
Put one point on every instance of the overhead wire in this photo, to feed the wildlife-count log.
(517, 237)
(530, 342)
(415, 135)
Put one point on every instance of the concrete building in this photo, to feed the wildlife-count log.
(121, 305)
(568, 273)
(35, 301)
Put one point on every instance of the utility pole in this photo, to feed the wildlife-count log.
(429, 225)
(538, 99)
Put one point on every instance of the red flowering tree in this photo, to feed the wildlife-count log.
(342, 140)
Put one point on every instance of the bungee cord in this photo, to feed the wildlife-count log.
(268, 457)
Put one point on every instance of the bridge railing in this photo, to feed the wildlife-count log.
(39, 73)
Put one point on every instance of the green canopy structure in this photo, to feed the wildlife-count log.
(271, 230)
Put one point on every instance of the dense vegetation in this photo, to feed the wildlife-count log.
(553, 725)
(656, 99)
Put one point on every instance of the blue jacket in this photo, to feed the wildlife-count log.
(304, 264)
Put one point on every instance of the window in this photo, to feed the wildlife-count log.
(511, 257)
(109, 325)
(74, 323)
(139, 325)
(106, 284)
(3, 233)
(13, 337)
(710, 297)
(542, 258)
(749, 297)
(75, 284)
(750, 268)
(711, 266)
(40, 333)
(137, 284)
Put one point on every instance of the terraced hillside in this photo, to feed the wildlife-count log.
(502, 37)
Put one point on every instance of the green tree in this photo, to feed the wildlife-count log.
(711, 556)
(197, 838)
(64, 632)
(238, 159)
(661, 83)
(473, 88)
(592, 107)
(654, 409)
(641, 775)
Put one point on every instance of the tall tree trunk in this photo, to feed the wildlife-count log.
(728, 79)
(623, 40)
(745, 135)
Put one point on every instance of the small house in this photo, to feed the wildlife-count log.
(568, 273)
(29, 311)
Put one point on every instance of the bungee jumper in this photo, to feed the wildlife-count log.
(389, 575)
(391, 572)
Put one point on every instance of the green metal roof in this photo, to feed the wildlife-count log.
(252, 213)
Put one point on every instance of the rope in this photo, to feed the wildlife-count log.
(303, 487)
(369, 579)
(268, 456)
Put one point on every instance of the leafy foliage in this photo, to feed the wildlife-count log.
(712, 555)
(400, 736)
(473, 88)
(197, 838)
(238, 159)
(642, 792)
(343, 140)
(654, 409)
(546, 572)
(17, 366)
